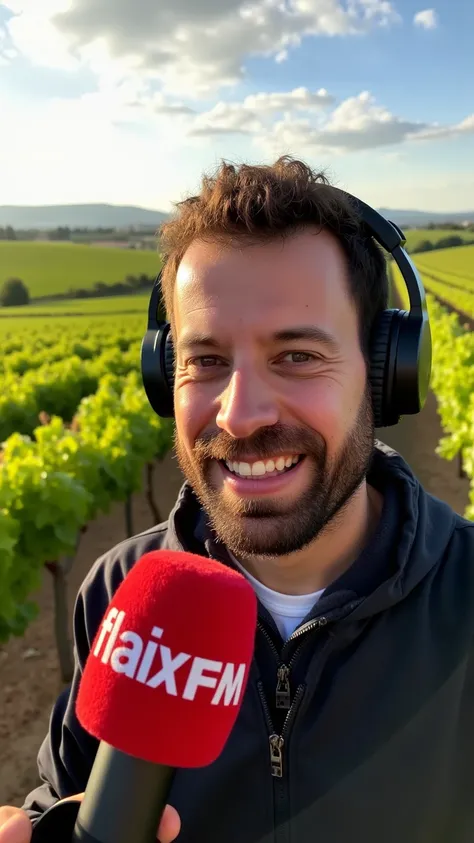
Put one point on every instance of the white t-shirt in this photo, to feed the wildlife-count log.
(287, 610)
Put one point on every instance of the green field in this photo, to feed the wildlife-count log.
(455, 263)
(448, 274)
(414, 236)
(77, 307)
(51, 268)
(24, 331)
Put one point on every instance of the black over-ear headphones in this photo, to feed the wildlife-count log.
(400, 355)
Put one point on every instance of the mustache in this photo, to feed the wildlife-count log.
(265, 443)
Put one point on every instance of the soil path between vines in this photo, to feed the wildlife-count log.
(29, 681)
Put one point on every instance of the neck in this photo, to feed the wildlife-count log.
(329, 555)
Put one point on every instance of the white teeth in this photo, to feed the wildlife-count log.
(260, 468)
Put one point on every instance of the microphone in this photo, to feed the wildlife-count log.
(162, 687)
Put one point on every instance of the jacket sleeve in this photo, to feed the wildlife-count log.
(67, 753)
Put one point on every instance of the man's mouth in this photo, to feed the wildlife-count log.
(259, 469)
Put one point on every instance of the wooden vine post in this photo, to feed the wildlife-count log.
(60, 570)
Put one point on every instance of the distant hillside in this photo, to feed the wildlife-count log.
(79, 216)
(123, 216)
(50, 269)
(421, 219)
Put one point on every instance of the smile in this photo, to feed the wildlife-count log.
(263, 468)
(268, 479)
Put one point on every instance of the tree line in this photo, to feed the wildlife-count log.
(67, 234)
(14, 292)
(443, 243)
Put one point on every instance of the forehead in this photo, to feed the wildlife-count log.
(266, 285)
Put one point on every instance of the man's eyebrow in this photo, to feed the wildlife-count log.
(310, 333)
(191, 341)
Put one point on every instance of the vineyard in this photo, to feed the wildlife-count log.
(76, 431)
(452, 379)
(449, 275)
(93, 307)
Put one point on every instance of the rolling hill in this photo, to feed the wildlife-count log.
(421, 219)
(78, 216)
(122, 216)
(51, 268)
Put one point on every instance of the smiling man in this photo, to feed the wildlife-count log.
(357, 721)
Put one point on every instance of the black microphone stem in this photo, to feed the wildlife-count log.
(124, 799)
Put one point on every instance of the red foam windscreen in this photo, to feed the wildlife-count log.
(168, 667)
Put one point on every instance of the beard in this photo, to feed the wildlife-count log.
(271, 528)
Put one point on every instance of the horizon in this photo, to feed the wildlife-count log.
(161, 211)
(109, 104)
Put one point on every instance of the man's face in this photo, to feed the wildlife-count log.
(274, 426)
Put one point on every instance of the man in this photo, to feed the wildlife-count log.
(358, 718)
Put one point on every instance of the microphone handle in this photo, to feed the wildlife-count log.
(124, 799)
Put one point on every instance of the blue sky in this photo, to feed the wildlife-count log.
(107, 101)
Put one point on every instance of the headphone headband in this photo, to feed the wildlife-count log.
(392, 239)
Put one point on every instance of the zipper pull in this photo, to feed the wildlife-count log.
(276, 755)
(283, 697)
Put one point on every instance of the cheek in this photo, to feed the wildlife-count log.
(193, 414)
(331, 407)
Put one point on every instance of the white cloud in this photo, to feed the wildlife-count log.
(187, 45)
(437, 132)
(427, 19)
(35, 36)
(301, 121)
(226, 118)
(297, 99)
(356, 124)
(256, 111)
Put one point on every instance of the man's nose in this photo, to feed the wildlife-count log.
(246, 405)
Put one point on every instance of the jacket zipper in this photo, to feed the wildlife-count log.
(283, 689)
(277, 741)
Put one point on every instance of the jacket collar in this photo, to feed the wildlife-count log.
(425, 527)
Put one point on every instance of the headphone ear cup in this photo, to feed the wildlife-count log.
(157, 365)
(382, 367)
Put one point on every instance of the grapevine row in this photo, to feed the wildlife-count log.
(452, 382)
(33, 356)
(23, 350)
(457, 262)
(461, 300)
(461, 282)
(57, 388)
(52, 485)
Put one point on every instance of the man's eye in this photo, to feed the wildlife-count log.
(300, 356)
(203, 362)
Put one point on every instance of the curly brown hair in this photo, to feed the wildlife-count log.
(260, 202)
